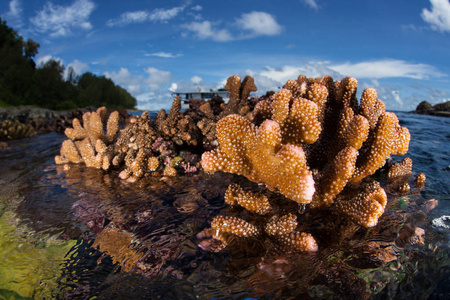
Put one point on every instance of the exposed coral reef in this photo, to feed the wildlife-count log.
(11, 130)
(89, 143)
(315, 144)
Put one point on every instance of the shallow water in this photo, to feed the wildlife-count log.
(82, 233)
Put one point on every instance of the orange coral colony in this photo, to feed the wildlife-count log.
(313, 143)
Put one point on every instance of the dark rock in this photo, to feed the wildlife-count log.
(440, 109)
(25, 114)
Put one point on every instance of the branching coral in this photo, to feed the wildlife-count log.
(313, 141)
(89, 143)
(280, 230)
(10, 130)
(257, 153)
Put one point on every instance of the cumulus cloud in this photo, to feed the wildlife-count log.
(60, 20)
(157, 15)
(14, 15)
(387, 68)
(139, 84)
(206, 30)
(78, 67)
(248, 25)
(439, 15)
(132, 83)
(259, 23)
(157, 78)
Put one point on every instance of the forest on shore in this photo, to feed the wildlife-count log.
(48, 85)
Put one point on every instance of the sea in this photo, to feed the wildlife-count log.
(76, 234)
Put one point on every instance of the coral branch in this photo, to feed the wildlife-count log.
(259, 156)
(363, 207)
(253, 202)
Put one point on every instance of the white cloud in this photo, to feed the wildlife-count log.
(259, 23)
(196, 80)
(165, 14)
(128, 18)
(439, 16)
(157, 78)
(387, 68)
(139, 84)
(42, 60)
(14, 15)
(197, 8)
(248, 25)
(205, 30)
(157, 15)
(78, 67)
(310, 3)
(164, 54)
(60, 20)
(173, 87)
(132, 83)
(154, 100)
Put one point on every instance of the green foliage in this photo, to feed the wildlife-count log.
(22, 83)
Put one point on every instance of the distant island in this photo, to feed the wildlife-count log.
(440, 109)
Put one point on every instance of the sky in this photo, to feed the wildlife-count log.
(152, 48)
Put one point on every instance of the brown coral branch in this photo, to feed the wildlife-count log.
(364, 207)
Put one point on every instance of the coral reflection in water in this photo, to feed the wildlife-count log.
(149, 229)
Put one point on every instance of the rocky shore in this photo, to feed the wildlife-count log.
(25, 114)
(440, 109)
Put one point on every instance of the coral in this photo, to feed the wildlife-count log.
(170, 171)
(88, 142)
(420, 180)
(253, 202)
(10, 130)
(239, 93)
(279, 230)
(363, 207)
(310, 141)
(133, 147)
(152, 163)
(118, 244)
(257, 153)
(178, 127)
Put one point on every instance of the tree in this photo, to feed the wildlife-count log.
(52, 91)
(21, 83)
(16, 66)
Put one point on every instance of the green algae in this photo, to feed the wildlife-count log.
(30, 263)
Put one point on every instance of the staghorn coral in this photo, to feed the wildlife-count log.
(310, 142)
(89, 143)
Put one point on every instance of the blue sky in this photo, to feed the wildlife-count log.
(401, 48)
